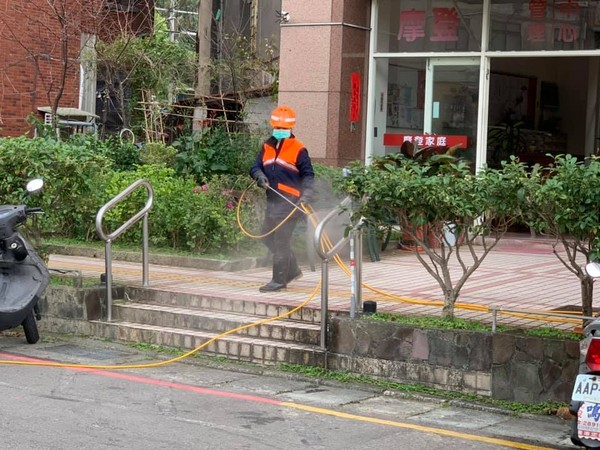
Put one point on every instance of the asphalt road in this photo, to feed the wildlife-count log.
(203, 404)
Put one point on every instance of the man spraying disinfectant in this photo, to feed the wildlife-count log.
(284, 169)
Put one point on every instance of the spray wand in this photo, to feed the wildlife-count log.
(287, 200)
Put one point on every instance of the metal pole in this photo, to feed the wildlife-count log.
(108, 275)
(358, 269)
(324, 301)
(494, 319)
(352, 275)
(145, 266)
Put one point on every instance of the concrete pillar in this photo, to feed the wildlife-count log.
(322, 44)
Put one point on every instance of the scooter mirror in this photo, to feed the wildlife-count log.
(593, 269)
(34, 185)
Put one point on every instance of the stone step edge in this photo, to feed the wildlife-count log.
(242, 319)
(308, 313)
(218, 322)
(232, 346)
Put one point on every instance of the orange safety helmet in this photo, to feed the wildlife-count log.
(283, 117)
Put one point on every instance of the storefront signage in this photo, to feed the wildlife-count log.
(562, 12)
(425, 140)
(445, 25)
(562, 16)
(354, 97)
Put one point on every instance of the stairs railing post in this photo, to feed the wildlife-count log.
(108, 238)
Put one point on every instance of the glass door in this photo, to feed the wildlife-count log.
(451, 104)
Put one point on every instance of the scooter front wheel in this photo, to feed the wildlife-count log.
(30, 327)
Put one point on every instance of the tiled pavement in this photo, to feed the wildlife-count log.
(517, 274)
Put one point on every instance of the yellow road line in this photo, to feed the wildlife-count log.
(425, 429)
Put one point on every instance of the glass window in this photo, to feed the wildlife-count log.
(544, 25)
(429, 25)
(406, 95)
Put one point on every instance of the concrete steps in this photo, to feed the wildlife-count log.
(216, 322)
(187, 321)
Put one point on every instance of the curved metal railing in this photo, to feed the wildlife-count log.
(108, 238)
(355, 239)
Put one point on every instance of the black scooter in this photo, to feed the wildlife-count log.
(23, 275)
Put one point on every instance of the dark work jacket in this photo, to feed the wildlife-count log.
(288, 168)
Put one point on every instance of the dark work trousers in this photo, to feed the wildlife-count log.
(279, 242)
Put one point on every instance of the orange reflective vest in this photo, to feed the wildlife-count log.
(281, 167)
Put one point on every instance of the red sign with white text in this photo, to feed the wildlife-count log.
(354, 97)
(425, 140)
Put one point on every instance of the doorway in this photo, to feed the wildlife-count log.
(430, 102)
(451, 102)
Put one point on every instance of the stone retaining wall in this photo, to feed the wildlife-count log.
(503, 366)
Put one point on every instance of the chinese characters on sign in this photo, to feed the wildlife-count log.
(354, 97)
(561, 16)
(587, 421)
(425, 140)
(445, 25)
(412, 25)
(561, 13)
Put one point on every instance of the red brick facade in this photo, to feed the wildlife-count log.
(35, 36)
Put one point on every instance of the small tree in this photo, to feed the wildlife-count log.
(566, 205)
(130, 65)
(242, 67)
(454, 216)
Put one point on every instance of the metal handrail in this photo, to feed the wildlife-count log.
(354, 237)
(108, 238)
(499, 309)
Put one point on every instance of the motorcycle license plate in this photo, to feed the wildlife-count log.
(587, 388)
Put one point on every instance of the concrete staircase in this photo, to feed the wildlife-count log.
(187, 321)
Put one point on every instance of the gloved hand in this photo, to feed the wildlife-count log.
(262, 181)
(306, 198)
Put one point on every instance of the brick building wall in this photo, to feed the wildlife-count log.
(32, 61)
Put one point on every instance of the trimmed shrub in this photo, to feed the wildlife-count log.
(185, 215)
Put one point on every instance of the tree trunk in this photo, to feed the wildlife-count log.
(449, 300)
(587, 295)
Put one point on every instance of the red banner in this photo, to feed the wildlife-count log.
(354, 97)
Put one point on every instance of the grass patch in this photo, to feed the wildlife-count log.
(547, 332)
(161, 349)
(471, 325)
(73, 281)
(431, 322)
(246, 249)
(545, 408)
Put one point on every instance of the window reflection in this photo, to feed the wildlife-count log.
(544, 25)
(420, 25)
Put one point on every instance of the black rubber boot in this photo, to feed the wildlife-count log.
(279, 276)
(294, 271)
(272, 286)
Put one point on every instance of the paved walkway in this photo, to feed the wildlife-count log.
(517, 274)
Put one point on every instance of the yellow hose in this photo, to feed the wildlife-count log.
(326, 244)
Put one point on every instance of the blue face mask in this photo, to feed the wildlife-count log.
(280, 134)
